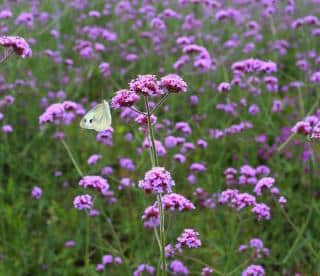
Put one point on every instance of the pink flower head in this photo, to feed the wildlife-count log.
(206, 271)
(144, 269)
(93, 159)
(302, 128)
(224, 87)
(19, 45)
(124, 98)
(189, 238)
(253, 270)
(282, 200)
(146, 85)
(36, 192)
(7, 128)
(151, 217)
(142, 119)
(173, 83)
(170, 250)
(178, 268)
(95, 182)
(178, 202)
(243, 200)
(82, 202)
(265, 182)
(107, 259)
(157, 180)
(70, 243)
(262, 211)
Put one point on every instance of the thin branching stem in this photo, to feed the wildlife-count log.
(154, 161)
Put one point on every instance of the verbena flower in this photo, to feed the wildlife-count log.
(262, 211)
(254, 270)
(264, 183)
(95, 182)
(93, 159)
(178, 268)
(105, 69)
(170, 251)
(82, 202)
(189, 238)
(124, 98)
(7, 128)
(146, 85)
(178, 202)
(127, 163)
(206, 271)
(36, 192)
(157, 180)
(70, 243)
(144, 268)
(18, 44)
(224, 87)
(173, 83)
(151, 217)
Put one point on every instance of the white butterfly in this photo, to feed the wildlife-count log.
(98, 118)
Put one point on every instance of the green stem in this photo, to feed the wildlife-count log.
(151, 134)
(160, 103)
(120, 249)
(87, 222)
(299, 236)
(7, 54)
(284, 144)
(136, 110)
(154, 161)
(74, 162)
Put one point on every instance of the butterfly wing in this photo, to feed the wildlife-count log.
(107, 113)
(98, 118)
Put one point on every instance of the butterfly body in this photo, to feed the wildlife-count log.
(98, 118)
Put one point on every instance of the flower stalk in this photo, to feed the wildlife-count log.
(154, 161)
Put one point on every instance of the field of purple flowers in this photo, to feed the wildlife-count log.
(210, 165)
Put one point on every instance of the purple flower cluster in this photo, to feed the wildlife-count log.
(148, 85)
(151, 217)
(93, 159)
(124, 98)
(197, 55)
(254, 177)
(144, 269)
(36, 192)
(256, 247)
(254, 66)
(108, 260)
(173, 83)
(231, 130)
(105, 136)
(95, 182)
(310, 126)
(178, 268)
(127, 164)
(254, 270)
(171, 202)
(158, 180)
(189, 238)
(206, 271)
(82, 202)
(18, 44)
(59, 113)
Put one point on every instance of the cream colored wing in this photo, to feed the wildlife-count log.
(98, 118)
